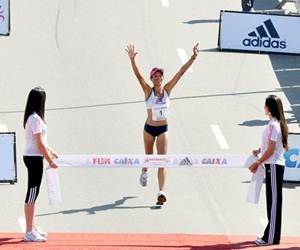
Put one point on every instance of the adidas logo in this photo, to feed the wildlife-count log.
(265, 36)
(185, 162)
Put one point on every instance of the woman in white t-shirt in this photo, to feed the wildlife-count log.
(273, 144)
(36, 149)
(157, 104)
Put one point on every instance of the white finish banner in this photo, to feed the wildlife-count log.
(4, 17)
(52, 180)
(257, 180)
(247, 31)
(151, 161)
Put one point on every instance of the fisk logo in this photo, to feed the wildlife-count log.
(292, 158)
(265, 36)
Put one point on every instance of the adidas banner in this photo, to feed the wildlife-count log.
(151, 161)
(259, 32)
(4, 17)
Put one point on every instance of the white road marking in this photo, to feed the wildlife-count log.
(219, 136)
(22, 224)
(285, 70)
(3, 128)
(184, 58)
(165, 3)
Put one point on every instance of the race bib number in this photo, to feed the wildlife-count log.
(159, 113)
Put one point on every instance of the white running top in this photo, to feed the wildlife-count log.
(158, 105)
(34, 125)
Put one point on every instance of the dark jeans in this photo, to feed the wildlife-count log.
(247, 5)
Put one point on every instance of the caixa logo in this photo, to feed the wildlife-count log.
(127, 161)
(292, 158)
(265, 36)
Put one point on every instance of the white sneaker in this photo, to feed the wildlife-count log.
(34, 236)
(260, 242)
(40, 231)
(144, 178)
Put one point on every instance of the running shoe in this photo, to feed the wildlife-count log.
(261, 242)
(144, 178)
(34, 236)
(40, 231)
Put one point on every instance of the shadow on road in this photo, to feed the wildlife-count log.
(265, 4)
(93, 210)
(201, 21)
(287, 71)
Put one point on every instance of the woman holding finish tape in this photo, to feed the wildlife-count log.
(36, 150)
(274, 143)
(157, 98)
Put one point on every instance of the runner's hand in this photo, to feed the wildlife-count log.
(195, 50)
(130, 51)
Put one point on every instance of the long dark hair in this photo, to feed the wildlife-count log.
(35, 103)
(274, 105)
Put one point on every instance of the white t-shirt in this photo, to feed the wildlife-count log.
(34, 125)
(273, 132)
